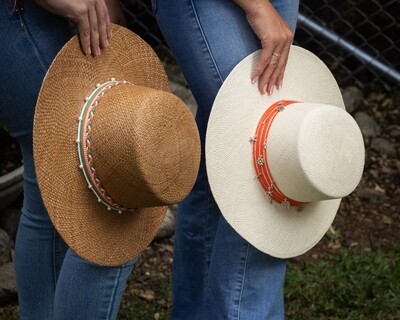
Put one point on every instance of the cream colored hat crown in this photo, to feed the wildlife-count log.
(279, 165)
(315, 152)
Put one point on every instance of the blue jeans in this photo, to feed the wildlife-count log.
(216, 273)
(53, 282)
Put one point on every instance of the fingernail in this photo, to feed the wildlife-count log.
(280, 83)
(97, 52)
(271, 90)
(88, 52)
(264, 90)
(107, 43)
(254, 80)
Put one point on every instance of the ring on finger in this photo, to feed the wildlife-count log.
(276, 54)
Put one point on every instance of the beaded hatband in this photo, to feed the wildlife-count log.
(260, 156)
(85, 147)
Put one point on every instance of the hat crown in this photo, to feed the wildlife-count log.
(315, 152)
(145, 146)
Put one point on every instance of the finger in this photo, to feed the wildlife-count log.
(272, 82)
(265, 77)
(279, 79)
(264, 81)
(109, 25)
(94, 31)
(285, 56)
(83, 27)
(103, 20)
(263, 61)
(279, 67)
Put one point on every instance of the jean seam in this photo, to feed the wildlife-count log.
(242, 281)
(113, 294)
(206, 233)
(154, 7)
(205, 41)
(54, 258)
(34, 47)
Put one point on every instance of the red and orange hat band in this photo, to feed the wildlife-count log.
(260, 155)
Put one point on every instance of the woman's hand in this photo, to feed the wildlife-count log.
(91, 19)
(276, 38)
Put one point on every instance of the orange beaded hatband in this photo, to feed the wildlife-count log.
(260, 155)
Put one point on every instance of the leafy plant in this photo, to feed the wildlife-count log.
(353, 285)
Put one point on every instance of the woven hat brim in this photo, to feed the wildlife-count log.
(89, 229)
(235, 114)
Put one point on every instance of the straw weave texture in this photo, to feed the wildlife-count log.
(144, 147)
(236, 112)
(93, 232)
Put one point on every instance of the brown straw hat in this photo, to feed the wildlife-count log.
(112, 148)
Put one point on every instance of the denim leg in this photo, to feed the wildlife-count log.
(25, 55)
(28, 46)
(88, 291)
(243, 283)
(216, 273)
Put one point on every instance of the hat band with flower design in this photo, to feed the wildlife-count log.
(260, 156)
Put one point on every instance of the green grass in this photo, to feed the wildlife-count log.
(353, 285)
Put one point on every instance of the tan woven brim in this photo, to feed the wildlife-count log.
(90, 230)
(236, 112)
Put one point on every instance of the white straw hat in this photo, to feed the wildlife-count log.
(279, 165)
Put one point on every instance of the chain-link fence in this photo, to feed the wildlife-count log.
(358, 39)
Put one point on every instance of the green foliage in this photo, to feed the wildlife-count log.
(350, 285)
(353, 285)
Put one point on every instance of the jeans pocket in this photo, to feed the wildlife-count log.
(154, 6)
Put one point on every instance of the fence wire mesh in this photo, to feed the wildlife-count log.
(358, 39)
